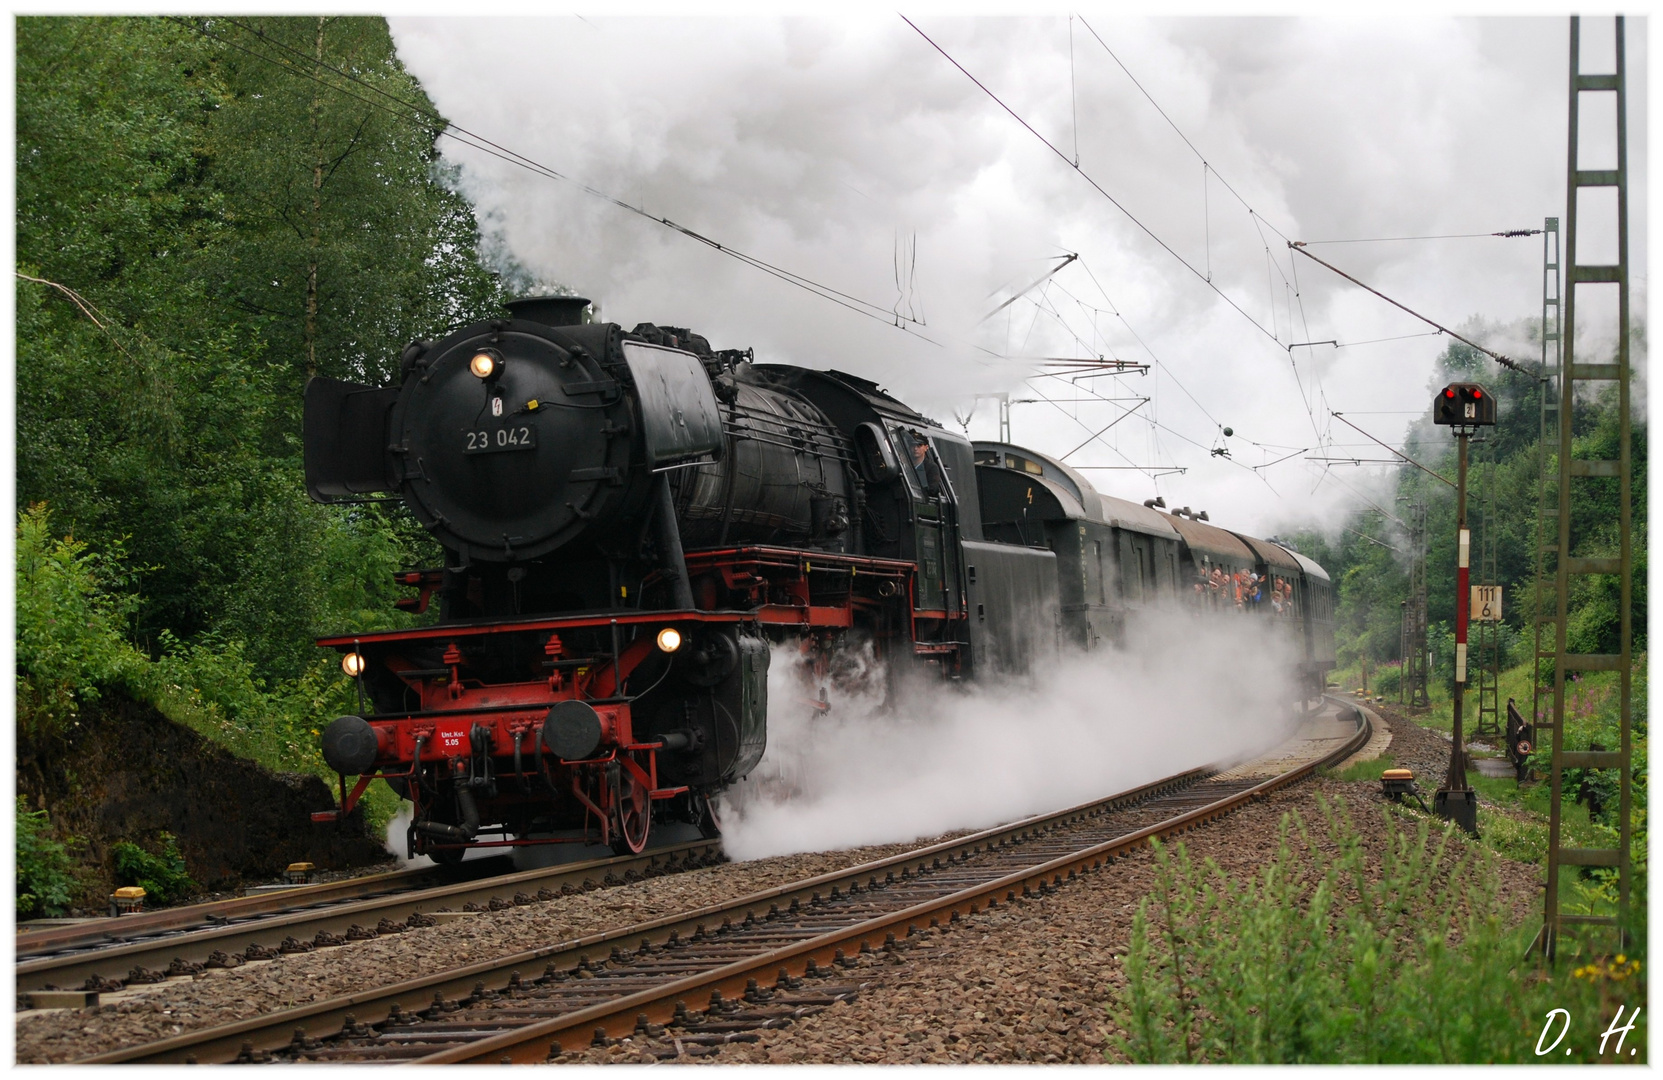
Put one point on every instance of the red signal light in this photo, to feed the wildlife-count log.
(1463, 405)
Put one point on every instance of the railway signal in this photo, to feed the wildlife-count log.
(1464, 408)
(1464, 404)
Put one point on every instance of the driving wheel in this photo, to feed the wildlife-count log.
(634, 814)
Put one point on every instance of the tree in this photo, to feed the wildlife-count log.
(1371, 582)
(200, 228)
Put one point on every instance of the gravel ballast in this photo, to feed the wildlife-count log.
(1030, 983)
(1024, 983)
(222, 996)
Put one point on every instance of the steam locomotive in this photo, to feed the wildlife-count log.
(633, 521)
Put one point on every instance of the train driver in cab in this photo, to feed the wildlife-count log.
(924, 465)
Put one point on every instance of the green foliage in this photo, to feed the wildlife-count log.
(227, 229)
(1522, 839)
(1365, 771)
(1372, 581)
(198, 232)
(1593, 721)
(71, 645)
(45, 876)
(162, 875)
(210, 685)
(1318, 959)
(70, 617)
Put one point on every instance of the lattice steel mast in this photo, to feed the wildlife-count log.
(1413, 687)
(1554, 921)
(1544, 602)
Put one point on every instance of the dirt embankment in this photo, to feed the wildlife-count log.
(126, 772)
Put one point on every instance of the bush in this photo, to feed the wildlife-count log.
(162, 876)
(71, 644)
(45, 880)
(210, 685)
(1317, 960)
(1592, 719)
(70, 615)
(72, 608)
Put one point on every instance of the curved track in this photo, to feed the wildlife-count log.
(795, 937)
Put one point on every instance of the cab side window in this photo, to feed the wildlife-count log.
(920, 463)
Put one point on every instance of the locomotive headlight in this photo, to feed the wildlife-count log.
(483, 365)
(353, 664)
(669, 639)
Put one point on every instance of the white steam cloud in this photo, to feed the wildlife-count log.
(847, 149)
(1188, 693)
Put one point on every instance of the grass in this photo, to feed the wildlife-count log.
(46, 880)
(1333, 953)
(1365, 771)
(1513, 817)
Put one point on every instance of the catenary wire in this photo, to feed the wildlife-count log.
(1253, 215)
(1492, 354)
(1256, 218)
(447, 129)
(1095, 185)
(1399, 453)
(1506, 233)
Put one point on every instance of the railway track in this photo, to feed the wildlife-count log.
(134, 949)
(765, 959)
(98, 933)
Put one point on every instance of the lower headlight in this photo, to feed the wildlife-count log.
(669, 639)
(353, 664)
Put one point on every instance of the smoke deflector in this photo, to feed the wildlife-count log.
(679, 418)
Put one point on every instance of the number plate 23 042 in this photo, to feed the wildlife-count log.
(497, 440)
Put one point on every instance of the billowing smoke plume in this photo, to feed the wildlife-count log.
(937, 758)
(849, 150)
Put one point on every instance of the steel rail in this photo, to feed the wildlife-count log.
(116, 929)
(274, 1031)
(535, 1043)
(196, 946)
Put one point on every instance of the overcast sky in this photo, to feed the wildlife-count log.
(855, 154)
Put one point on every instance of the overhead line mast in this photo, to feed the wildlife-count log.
(1571, 469)
(1544, 599)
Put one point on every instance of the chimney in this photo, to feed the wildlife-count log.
(550, 310)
